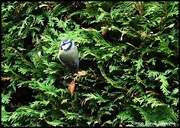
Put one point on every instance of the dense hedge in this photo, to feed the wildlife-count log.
(129, 54)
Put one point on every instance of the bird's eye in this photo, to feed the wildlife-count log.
(63, 44)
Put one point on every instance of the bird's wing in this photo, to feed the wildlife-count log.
(70, 58)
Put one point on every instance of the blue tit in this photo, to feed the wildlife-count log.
(68, 54)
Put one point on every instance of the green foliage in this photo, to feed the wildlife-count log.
(130, 51)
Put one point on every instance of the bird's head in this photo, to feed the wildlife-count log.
(66, 44)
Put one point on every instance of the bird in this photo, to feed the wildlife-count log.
(68, 54)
